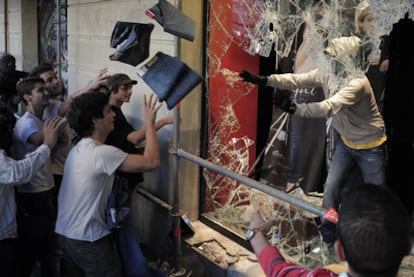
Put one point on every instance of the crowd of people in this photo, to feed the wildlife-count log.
(56, 191)
(64, 204)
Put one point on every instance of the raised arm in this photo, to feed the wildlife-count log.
(137, 136)
(100, 78)
(150, 160)
(14, 172)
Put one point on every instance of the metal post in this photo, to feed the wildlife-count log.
(58, 39)
(6, 22)
(176, 198)
(179, 271)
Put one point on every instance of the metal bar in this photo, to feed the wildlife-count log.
(254, 184)
(6, 21)
(154, 199)
(175, 178)
(59, 40)
(176, 194)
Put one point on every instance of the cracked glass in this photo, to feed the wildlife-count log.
(258, 28)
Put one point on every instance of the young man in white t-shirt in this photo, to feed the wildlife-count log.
(88, 180)
(36, 207)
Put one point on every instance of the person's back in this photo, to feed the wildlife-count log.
(373, 231)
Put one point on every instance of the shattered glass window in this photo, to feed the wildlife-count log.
(258, 27)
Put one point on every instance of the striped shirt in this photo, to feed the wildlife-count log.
(14, 172)
(274, 265)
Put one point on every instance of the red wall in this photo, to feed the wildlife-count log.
(225, 53)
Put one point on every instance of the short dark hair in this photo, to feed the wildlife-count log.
(84, 109)
(41, 68)
(374, 229)
(26, 85)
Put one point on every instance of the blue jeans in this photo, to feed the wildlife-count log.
(370, 161)
(188, 80)
(133, 260)
(173, 20)
(161, 74)
(169, 78)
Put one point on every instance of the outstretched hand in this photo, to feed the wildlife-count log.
(100, 78)
(257, 221)
(283, 101)
(250, 77)
(151, 109)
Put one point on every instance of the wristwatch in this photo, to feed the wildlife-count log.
(251, 232)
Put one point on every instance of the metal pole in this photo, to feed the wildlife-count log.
(254, 184)
(247, 181)
(176, 198)
(6, 19)
(154, 199)
(176, 183)
(58, 39)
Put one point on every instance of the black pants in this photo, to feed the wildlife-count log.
(38, 242)
(91, 259)
(8, 257)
